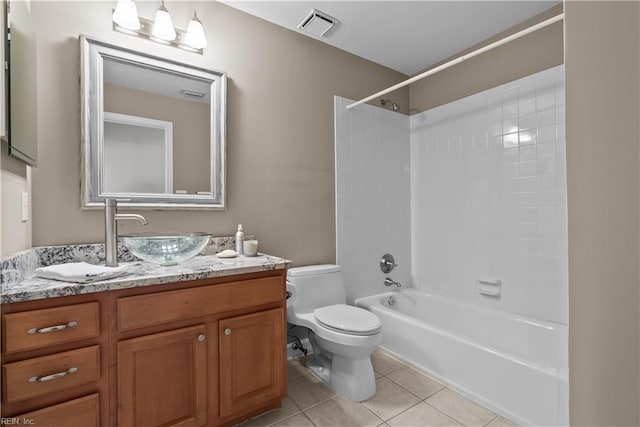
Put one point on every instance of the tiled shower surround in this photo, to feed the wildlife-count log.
(372, 203)
(486, 196)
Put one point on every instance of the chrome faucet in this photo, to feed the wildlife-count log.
(390, 282)
(111, 218)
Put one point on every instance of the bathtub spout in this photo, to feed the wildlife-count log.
(390, 282)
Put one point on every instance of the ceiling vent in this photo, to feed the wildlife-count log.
(317, 23)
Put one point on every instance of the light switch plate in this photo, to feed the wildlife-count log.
(25, 206)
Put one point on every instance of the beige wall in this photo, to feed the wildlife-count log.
(191, 136)
(534, 52)
(281, 156)
(602, 86)
(15, 235)
(280, 126)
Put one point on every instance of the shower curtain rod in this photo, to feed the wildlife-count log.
(460, 59)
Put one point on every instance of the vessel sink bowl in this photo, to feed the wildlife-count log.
(165, 249)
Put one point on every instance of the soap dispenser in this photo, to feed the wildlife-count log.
(240, 240)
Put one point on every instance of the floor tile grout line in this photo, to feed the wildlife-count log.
(402, 412)
(445, 414)
(442, 412)
(492, 420)
(358, 402)
(318, 403)
(444, 387)
(294, 404)
(439, 391)
(309, 418)
(386, 375)
(374, 414)
(409, 391)
(412, 367)
(289, 417)
(454, 418)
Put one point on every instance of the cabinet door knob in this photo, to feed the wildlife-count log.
(201, 338)
(227, 331)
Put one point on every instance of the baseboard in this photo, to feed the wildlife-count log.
(296, 354)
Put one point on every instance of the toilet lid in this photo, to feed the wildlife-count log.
(348, 319)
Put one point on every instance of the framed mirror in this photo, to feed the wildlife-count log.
(153, 130)
(21, 82)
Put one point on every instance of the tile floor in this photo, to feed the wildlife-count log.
(404, 398)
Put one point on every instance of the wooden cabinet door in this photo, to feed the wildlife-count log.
(252, 350)
(162, 379)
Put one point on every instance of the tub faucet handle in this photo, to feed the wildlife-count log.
(387, 263)
(390, 282)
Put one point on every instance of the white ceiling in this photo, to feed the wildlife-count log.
(407, 36)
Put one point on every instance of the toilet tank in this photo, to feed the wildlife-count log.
(314, 286)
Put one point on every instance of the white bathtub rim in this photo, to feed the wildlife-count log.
(562, 373)
(547, 324)
(456, 387)
(498, 404)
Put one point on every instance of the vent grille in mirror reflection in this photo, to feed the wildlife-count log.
(192, 93)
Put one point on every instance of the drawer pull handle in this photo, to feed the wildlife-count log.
(55, 376)
(55, 328)
(201, 338)
(227, 331)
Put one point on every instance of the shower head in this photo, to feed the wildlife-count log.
(394, 106)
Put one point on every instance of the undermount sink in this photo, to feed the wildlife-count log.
(165, 249)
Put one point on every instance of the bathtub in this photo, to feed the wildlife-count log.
(515, 365)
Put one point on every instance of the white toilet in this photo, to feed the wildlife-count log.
(343, 336)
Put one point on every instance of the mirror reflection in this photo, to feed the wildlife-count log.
(145, 111)
(155, 130)
(21, 87)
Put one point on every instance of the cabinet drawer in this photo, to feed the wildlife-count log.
(50, 326)
(49, 374)
(146, 310)
(77, 412)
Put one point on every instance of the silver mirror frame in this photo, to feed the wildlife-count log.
(92, 54)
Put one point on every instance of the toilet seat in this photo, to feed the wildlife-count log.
(348, 319)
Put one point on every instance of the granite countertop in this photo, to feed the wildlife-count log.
(20, 284)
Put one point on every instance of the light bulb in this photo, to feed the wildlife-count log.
(195, 33)
(126, 15)
(163, 26)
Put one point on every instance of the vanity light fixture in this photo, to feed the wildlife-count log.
(126, 15)
(161, 30)
(195, 33)
(163, 25)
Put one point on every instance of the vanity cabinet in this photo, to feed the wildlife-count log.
(52, 361)
(83, 411)
(203, 355)
(197, 353)
(250, 378)
(162, 379)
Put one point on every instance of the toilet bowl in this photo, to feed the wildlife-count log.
(342, 336)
